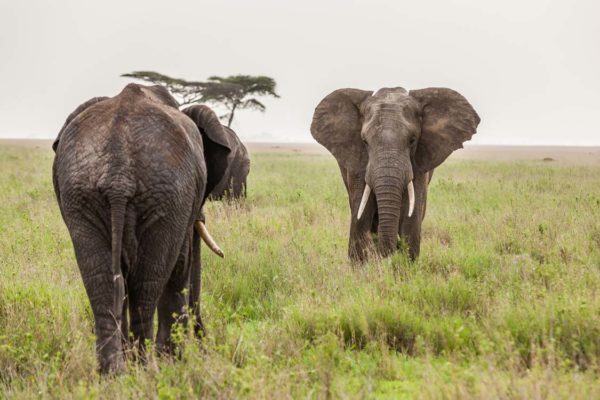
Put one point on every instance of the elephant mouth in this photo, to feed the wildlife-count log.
(367, 193)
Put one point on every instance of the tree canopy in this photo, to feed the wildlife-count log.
(186, 92)
(234, 92)
(237, 92)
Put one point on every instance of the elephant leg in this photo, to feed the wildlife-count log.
(171, 306)
(159, 250)
(375, 223)
(125, 321)
(238, 188)
(171, 309)
(360, 242)
(195, 285)
(93, 253)
(227, 191)
(410, 227)
(143, 294)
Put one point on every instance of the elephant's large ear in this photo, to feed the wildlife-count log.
(448, 121)
(72, 116)
(337, 123)
(215, 141)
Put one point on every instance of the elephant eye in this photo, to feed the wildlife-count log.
(413, 141)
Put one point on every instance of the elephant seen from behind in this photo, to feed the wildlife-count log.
(131, 174)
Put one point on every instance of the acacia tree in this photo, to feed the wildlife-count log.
(234, 92)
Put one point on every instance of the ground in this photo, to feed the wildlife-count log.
(503, 302)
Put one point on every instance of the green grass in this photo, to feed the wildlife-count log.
(504, 301)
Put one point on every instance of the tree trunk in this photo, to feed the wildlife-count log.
(231, 115)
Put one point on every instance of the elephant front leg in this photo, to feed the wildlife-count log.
(195, 285)
(360, 243)
(410, 233)
(410, 227)
(125, 321)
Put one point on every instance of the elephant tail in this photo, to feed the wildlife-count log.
(117, 222)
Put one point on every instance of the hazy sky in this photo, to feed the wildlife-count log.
(530, 68)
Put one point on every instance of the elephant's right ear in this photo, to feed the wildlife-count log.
(215, 141)
(74, 114)
(337, 123)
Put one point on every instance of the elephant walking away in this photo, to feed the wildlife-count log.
(387, 144)
(131, 174)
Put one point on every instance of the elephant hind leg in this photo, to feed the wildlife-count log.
(142, 303)
(173, 301)
(93, 254)
(171, 309)
(158, 252)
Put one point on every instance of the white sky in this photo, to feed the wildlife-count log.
(530, 68)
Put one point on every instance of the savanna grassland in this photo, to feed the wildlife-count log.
(504, 301)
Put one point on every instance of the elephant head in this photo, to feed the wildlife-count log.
(388, 137)
(216, 144)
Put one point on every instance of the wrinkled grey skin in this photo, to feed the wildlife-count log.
(387, 139)
(130, 175)
(234, 182)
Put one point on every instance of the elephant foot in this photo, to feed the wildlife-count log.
(199, 329)
(112, 364)
(359, 252)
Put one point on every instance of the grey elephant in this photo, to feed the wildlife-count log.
(387, 144)
(131, 174)
(233, 185)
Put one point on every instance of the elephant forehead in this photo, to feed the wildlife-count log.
(403, 107)
(391, 92)
(388, 97)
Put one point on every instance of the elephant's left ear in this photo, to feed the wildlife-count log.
(448, 121)
(74, 114)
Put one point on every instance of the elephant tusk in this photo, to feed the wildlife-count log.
(411, 198)
(363, 201)
(205, 235)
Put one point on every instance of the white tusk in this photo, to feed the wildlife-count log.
(363, 201)
(205, 235)
(411, 198)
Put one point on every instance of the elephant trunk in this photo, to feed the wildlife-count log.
(389, 183)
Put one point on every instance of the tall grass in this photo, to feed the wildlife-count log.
(503, 302)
